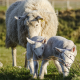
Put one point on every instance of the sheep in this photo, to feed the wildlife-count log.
(63, 50)
(29, 18)
(35, 49)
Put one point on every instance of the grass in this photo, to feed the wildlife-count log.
(3, 8)
(7, 72)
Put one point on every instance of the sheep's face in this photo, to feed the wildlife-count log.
(37, 47)
(67, 56)
(32, 22)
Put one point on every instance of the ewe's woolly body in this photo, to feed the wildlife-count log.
(17, 31)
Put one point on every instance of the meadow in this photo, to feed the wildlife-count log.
(7, 72)
(67, 22)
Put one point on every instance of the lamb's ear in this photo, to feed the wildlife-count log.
(73, 49)
(30, 41)
(16, 17)
(44, 41)
(59, 50)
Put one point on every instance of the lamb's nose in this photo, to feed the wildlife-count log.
(39, 56)
(66, 65)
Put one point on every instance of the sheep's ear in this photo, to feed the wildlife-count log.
(16, 17)
(73, 49)
(59, 50)
(44, 41)
(39, 18)
(30, 41)
(20, 17)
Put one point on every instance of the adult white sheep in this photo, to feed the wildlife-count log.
(64, 51)
(35, 49)
(30, 14)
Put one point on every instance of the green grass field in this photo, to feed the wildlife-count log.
(7, 72)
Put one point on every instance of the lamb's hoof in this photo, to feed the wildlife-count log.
(41, 77)
(35, 76)
(1, 65)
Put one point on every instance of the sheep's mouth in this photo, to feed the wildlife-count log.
(39, 57)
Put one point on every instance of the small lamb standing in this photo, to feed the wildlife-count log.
(35, 49)
(64, 51)
(32, 18)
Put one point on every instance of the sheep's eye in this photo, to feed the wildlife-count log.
(34, 48)
(19, 17)
(36, 24)
(42, 47)
(70, 56)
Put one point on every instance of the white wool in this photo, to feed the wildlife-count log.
(63, 50)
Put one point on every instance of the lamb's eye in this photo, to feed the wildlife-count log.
(34, 48)
(36, 24)
(42, 47)
(70, 56)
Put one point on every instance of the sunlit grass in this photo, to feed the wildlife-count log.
(7, 72)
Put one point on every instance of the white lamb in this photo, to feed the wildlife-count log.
(64, 51)
(35, 49)
(34, 18)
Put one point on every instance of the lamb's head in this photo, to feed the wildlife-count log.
(32, 22)
(67, 56)
(37, 47)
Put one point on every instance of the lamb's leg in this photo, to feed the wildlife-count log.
(42, 69)
(35, 66)
(29, 56)
(13, 56)
(45, 71)
(30, 63)
(58, 66)
(65, 70)
(31, 66)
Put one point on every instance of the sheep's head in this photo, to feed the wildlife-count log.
(67, 55)
(32, 22)
(67, 58)
(37, 47)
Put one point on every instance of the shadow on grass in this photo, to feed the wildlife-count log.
(13, 73)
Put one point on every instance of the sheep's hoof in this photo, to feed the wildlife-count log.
(35, 76)
(41, 77)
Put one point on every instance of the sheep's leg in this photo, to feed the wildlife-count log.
(35, 66)
(45, 71)
(31, 66)
(25, 61)
(65, 70)
(42, 69)
(13, 56)
(58, 66)
(61, 68)
(29, 56)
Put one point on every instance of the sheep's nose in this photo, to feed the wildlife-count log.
(66, 65)
(39, 56)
